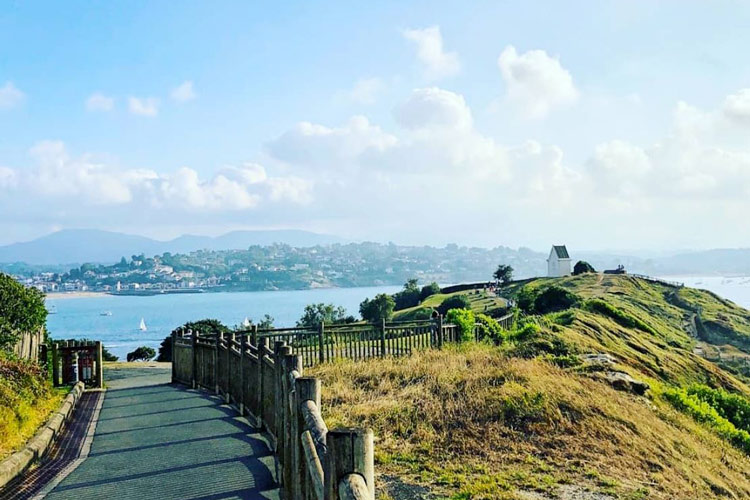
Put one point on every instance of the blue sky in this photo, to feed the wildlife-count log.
(499, 122)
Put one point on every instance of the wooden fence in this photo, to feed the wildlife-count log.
(29, 345)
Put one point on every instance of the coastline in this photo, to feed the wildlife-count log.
(73, 295)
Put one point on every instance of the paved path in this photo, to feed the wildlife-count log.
(161, 441)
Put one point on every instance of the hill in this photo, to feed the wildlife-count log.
(607, 396)
(77, 246)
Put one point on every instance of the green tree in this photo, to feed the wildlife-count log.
(429, 290)
(266, 323)
(378, 309)
(409, 296)
(554, 298)
(583, 267)
(460, 301)
(108, 356)
(503, 274)
(22, 310)
(142, 353)
(204, 326)
(315, 314)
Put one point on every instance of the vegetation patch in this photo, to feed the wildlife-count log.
(620, 316)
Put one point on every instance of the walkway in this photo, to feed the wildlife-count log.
(162, 441)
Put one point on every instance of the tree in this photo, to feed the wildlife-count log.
(503, 274)
(315, 314)
(143, 353)
(22, 310)
(583, 267)
(554, 298)
(409, 296)
(266, 323)
(378, 309)
(108, 356)
(428, 290)
(460, 301)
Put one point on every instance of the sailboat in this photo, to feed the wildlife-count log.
(246, 323)
(142, 326)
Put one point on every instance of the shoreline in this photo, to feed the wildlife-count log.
(73, 295)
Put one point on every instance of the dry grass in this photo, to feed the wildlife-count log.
(471, 422)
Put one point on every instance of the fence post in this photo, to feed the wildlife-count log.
(291, 362)
(279, 350)
(174, 357)
(382, 338)
(254, 340)
(440, 336)
(350, 451)
(321, 342)
(241, 400)
(99, 367)
(193, 344)
(55, 365)
(306, 389)
(228, 379)
(262, 347)
(219, 336)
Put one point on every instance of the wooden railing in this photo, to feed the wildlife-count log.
(269, 385)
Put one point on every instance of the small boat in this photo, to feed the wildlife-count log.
(52, 310)
(105, 313)
(142, 326)
(246, 323)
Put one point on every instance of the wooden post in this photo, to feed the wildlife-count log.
(382, 338)
(174, 357)
(262, 347)
(278, 346)
(229, 361)
(241, 395)
(350, 451)
(217, 371)
(55, 365)
(99, 366)
(306, 389)
(440, 338)
(321, 342)
(255, 336)
(291, 363)
(193, 345)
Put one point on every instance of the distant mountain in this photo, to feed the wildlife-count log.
(76, 246)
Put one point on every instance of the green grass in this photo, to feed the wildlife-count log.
(481, 302)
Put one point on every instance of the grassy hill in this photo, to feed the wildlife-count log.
(533, 418)
(481, 301)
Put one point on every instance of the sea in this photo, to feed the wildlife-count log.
(115, 320)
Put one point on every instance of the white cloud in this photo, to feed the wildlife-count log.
(438, 63)
(434, 107)
(737, 105)
(184, 92)
(10, 96)
(146, 106)
(99, 102)
(7, 177)
(536, 82)
(366, 90)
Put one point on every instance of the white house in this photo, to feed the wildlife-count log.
(558, 262)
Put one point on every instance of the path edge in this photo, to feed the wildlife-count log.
(37, 446)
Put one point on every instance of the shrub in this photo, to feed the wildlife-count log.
(621, 317)
(408, 297)
(455, 302)
(464, 320)
(142, 353)
(488, 328)
(377, 309)
(554, 298)
(429, 290)
(525, 299)
(583, 267)
(315, 314)
(732, 407)
(21, 310)
(108, 356)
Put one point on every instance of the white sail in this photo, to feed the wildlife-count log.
(246, 323)
(143, 325)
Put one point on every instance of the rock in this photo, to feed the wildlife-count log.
(624, 382)
(598, 358)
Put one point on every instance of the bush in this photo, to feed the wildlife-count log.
(464, 320)
(583, 267)
(429, 290)
(315, 314)
(108, 356)
(408, 297)
(618, 315)
(554, 298)
(378, 309)
(488, 328)
(732, 407)
(21, 310)
(143, 353)
(455, 302)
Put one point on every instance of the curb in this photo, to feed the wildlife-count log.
(37, 446)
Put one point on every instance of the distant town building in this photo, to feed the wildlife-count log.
(558, 262)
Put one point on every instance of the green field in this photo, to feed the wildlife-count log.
(482, 301)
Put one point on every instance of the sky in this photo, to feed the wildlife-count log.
(603, 124)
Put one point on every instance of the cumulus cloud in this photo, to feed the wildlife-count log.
(434, 107)
(536, 82)
(146, 106)
(100, 102)
(437, 62)
(10, 96)
(737, 105)
(184, 92)
(366, 90)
